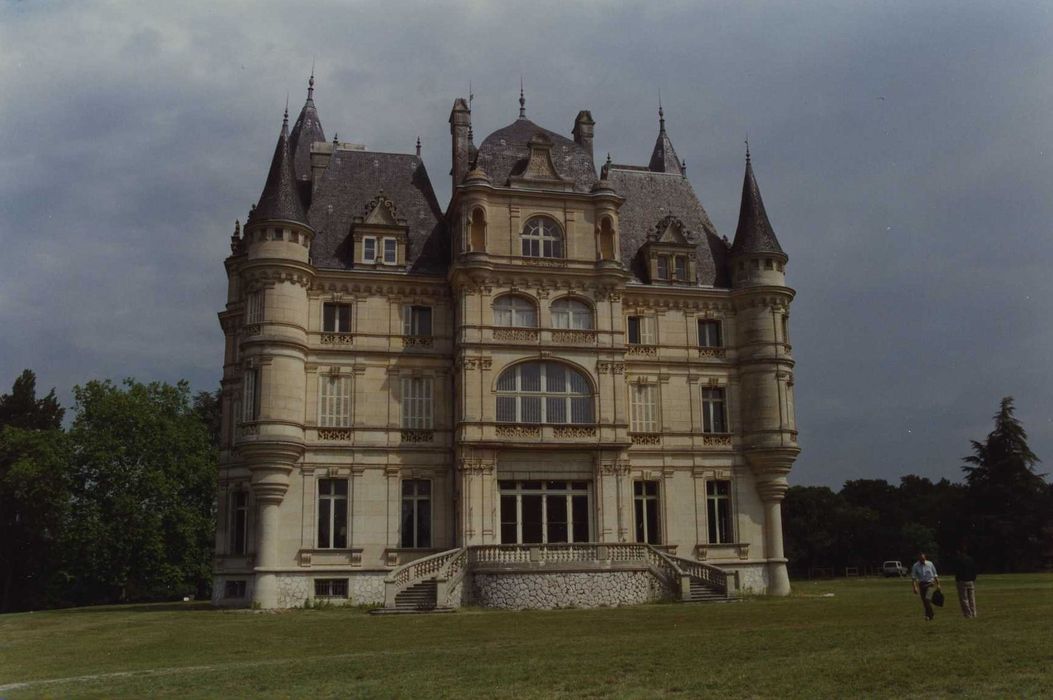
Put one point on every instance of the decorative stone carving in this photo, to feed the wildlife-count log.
(246, 429)
(715, 353)
(574, 337)
(641, 351)
(521, 335)
(573, 431)
(254, 329)
(646, 438)
(334, 434)
(476, 466)
(716, 440)
(417, 341)
(519, 432)
(337, 338)
(418, 436)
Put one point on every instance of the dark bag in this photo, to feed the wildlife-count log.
(937, 598)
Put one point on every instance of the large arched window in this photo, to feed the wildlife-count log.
(542, 238)
(571, 313)
(544, 392)
(515, 312)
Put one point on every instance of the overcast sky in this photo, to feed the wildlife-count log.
(902, 148)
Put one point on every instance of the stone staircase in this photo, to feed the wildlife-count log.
(419, 596)
(700, 592)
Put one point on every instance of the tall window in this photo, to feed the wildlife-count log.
(542, 238)
(254, 307)
(332, 513)
(544, 392)
(250, 398)
(416, 513)
(416, 403)
(662, 267)
(369, 249)
(390, 251)
(645, 503)
(718, 508)
(714, 414)
(641, 330)
(334, 395)
(336, 318)
(571, 313)
(644, 406)
(709, 335)
(680, 268)
(239, 521)
(536, 512)
(514, 311)
(416, 321)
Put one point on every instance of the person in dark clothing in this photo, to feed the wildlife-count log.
(965, 579)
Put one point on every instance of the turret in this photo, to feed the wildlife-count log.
(305, 132)
(583, 130)
(274, 281)
(460, 125)
(663, 157)
(769, 427)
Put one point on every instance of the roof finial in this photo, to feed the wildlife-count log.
(522, 100)
(285, 119)
(310, 83)
(418, 146)
(747, 147)
(336, 140)
(471, 96)
(661, 114)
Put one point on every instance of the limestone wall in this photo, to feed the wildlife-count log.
(362, 589)
(566, 590)
(752, 578)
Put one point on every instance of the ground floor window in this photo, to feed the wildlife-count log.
(537, 512)
(718, 508)
(332, 513)
(645, 503)
(234, 589)
(239, 517)
(416, 513)
(330, 588)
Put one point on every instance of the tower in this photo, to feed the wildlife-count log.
(762, 302)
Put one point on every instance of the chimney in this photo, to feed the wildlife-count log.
(583, 129)
(460, 123)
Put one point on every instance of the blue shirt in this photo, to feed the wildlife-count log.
(923, 573)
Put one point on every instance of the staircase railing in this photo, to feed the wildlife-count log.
(712, 577)
(414, 572)
(451, 574)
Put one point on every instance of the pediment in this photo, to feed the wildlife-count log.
(671, 231)
(380, 211)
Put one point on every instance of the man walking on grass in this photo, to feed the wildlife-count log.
(965, 578)
(923, 578)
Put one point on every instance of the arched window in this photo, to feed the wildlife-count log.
(606, 239)
(544, 392)
(514, 311)
(542, 238)
(478, 231)
(571, 313)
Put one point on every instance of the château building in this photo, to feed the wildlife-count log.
(565, 388)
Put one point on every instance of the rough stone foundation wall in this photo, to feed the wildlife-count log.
(362, 589)
(566, 590)
(219, 584)
(752, 579)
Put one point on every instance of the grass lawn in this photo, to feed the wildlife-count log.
(869, 638)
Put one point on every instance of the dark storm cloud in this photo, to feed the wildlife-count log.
(902, 150)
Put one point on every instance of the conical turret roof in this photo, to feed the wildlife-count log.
(306, 131)
(663, 157)
(754, 233)
(280, 200)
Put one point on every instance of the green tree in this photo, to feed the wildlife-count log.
(1008, 501)
(144, 483)
(34, 494)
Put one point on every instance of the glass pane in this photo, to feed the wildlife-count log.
(581, 410)
(555, 377)
(560, 319)
(329, 318)
(407, 487)
(530, 376)
(531, 519)
(579, 485)
(424, 326)
(639, 520)
(711, 516)
(423, 523)
(580, 513)
(555, 409)
(634, 330)
(530, 485)
(344, 318)
(424, 488)
(323, 523)
(638, 488)
(527, 318)
(578, 383)
(556, 485)
(407, 523)
(507, 381)
(340, 487)
(530, 407)
(508, 533)
(651, 488)
(506, 409)
(506, 484)
(653, 532)
(340, 523)
(557, 518)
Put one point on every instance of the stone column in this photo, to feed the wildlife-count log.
(270, 482)
(770, 469)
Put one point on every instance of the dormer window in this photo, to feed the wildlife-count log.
(669, 252)
(391, 251)
(369, 249)
(542, 238)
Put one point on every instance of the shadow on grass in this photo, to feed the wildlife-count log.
(174, 606)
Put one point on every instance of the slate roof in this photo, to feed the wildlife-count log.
(505, 152)
(754, 233)
(663, 157)
(280, 200)
(351, 180)
(306, 130)
(650, 197)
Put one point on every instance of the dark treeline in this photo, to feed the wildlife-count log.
(1001, 514)
(119, 507)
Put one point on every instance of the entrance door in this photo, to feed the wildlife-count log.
(541, 512)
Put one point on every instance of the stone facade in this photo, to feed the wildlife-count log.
(582, 589)
(556, 356)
